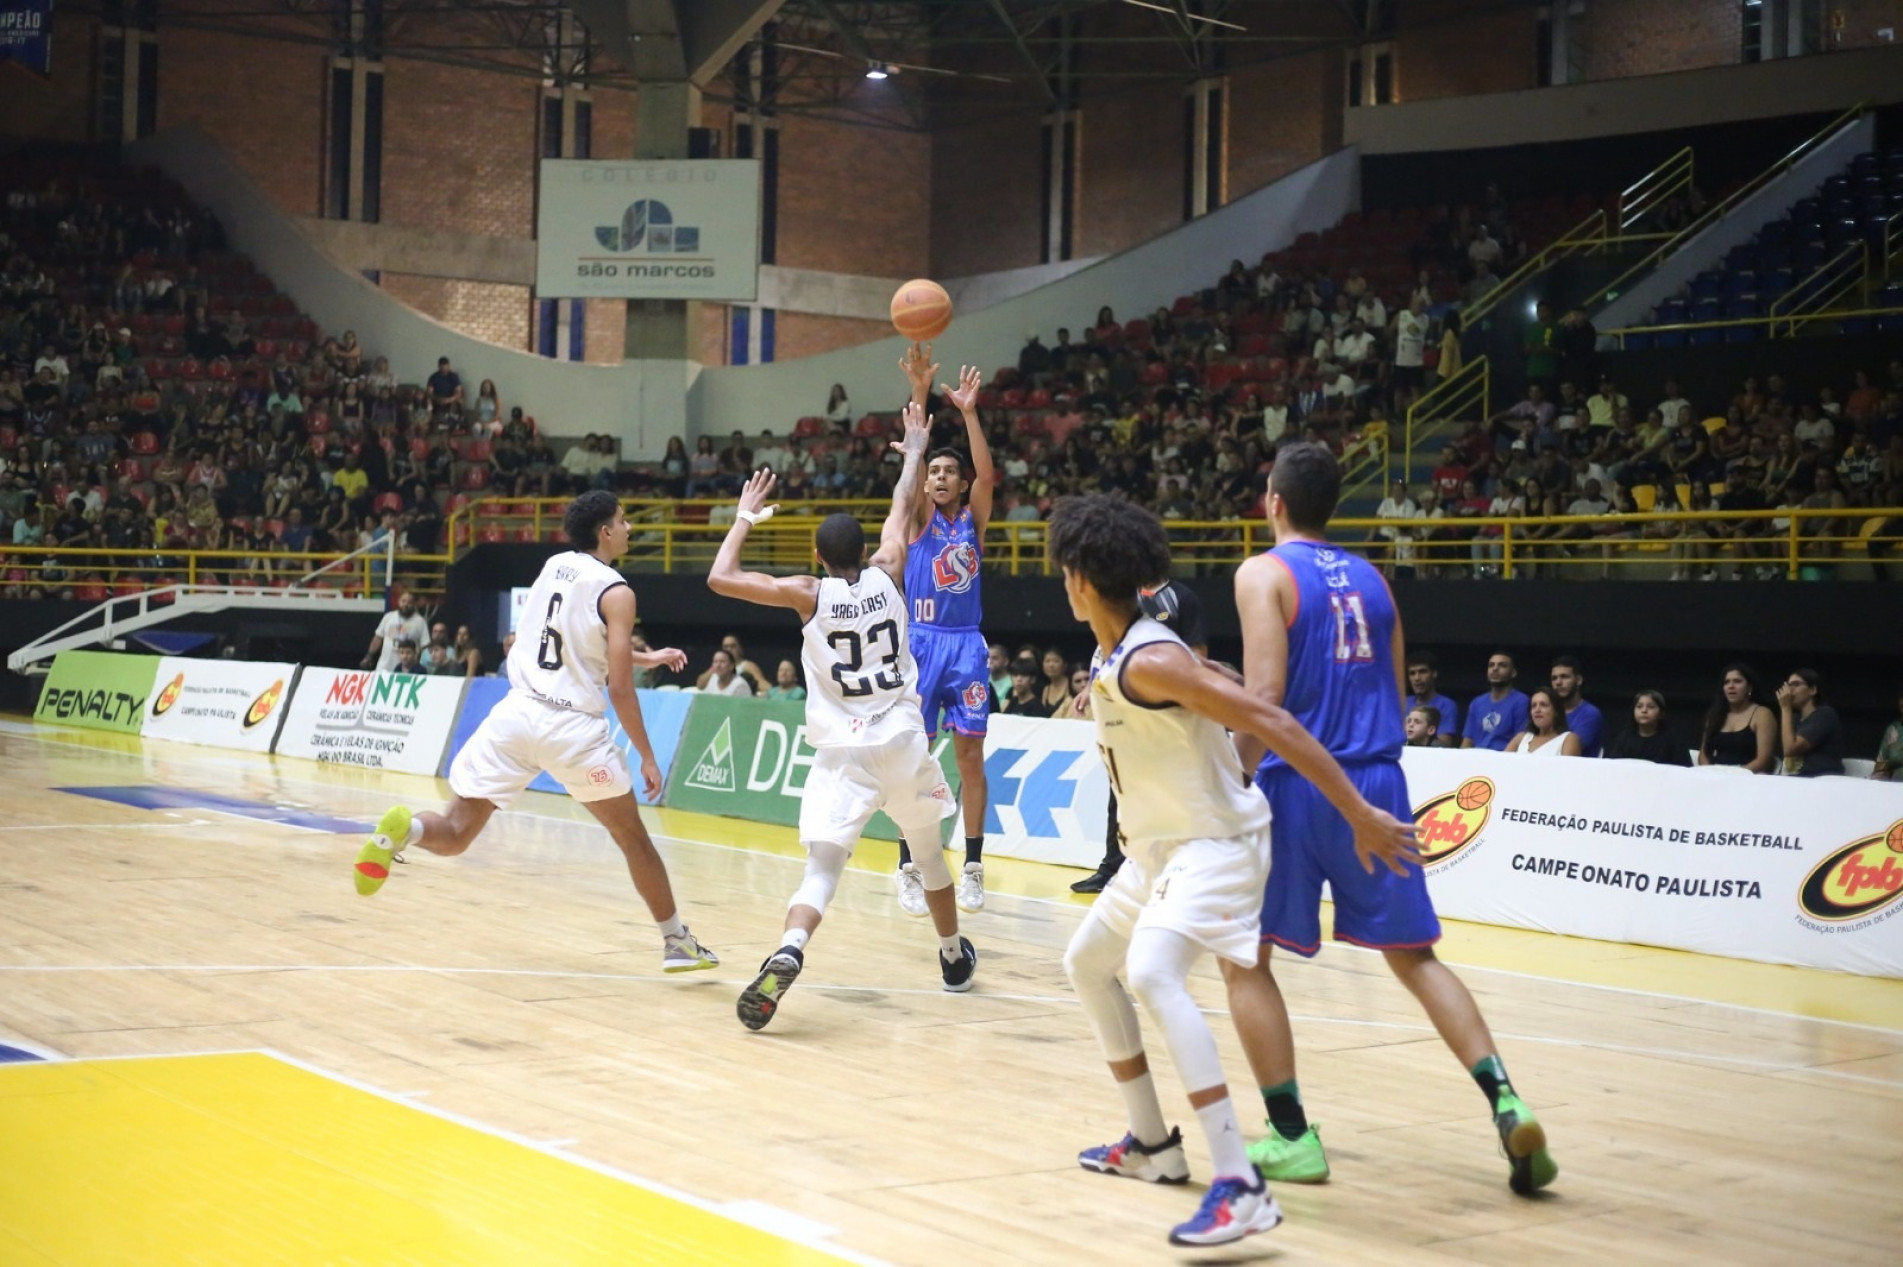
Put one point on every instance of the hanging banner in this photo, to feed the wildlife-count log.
(662, 712)
(381, 721)
(26, 34)
(223, 703)
(100, 690)
(748, 758)
(650, 230)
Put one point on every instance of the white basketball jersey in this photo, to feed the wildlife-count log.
(1176, 774)
(561, 646)
(861, 679)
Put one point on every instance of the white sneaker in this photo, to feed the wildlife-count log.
(971, 887)
(911, 889)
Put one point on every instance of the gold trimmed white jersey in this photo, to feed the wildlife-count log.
(861, 679)
(561, 647)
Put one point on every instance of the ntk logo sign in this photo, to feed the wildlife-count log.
(1032, 787)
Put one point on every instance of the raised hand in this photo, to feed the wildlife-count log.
(753, 497)
(966, 396)
(918, 429)
(919, 369)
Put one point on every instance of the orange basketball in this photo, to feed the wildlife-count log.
(921, 309)
(1473, 794)
(1895, 839)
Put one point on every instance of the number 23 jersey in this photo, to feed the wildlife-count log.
(861, 679)
(561, 642)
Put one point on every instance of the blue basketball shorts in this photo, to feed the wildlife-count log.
(1311, 842)
(954, 680)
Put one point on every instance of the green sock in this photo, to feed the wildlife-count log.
(1492, 1077)
(1284, 1103)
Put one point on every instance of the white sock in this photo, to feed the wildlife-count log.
(1145, 1111)
(795, 937)
(1226, 1150)
(672, 926)
(415, 832)
(951, 948)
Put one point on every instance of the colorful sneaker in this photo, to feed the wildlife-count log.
(1133, 1159)
(1283, 1160)
(911, 890)
(686, 954)
(373, 860)
(1232, 1209)
(760, 1000)
(971, 888)
(1523, 1140)
(958, 972)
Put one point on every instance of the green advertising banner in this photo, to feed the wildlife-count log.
(748, 758)
(101, 690)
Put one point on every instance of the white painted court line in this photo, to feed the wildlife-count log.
(1047, 1000)
(31, 732)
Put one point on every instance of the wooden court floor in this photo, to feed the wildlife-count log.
(484, 1063)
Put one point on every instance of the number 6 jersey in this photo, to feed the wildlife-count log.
(861, 680)
(561, 642)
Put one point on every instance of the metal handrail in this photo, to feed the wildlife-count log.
(93, 565)
(1644, 195)
(1444, 401)
(1718, 211)
(1892, 241)
(1833, 272)
(1841, 314)
(1588, 235)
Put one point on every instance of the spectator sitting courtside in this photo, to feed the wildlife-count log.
(1495, 718)
(1583, 719)
(1812, 732)
(1545, 734)
(1647, 738)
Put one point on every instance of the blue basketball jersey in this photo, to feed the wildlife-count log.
(1341, 684)
(941, 573)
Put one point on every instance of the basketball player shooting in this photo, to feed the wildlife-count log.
(862, 717)
(553, 719)
(1196, 849)
(943, 581)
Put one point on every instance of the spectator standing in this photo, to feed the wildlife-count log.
(1812, 732)
(1740, 728)
(1495, 718)
(1647, 738)
(1423, 679)
(1582, 718)
(1545, 734)
(401, 625)
(1542, 358)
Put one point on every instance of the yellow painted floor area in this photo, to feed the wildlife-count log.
(247, 1159)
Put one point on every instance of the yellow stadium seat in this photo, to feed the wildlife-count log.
(1684, 496)
(1645, 496)
(1718, 488)
(1712, 425)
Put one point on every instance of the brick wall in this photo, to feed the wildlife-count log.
(1131, 186)
(1282, 115)
(807, 334)
(1620, 38)
(986, 195)
(1453, 53)
(459, 149)
(1862, 20)
(221, 83)
(854, 199)
(492, 311)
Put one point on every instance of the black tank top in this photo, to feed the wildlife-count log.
(1736, 747)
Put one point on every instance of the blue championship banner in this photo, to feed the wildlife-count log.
(26, 33)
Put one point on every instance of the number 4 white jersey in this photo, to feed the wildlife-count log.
(861, 679)
(561, 646)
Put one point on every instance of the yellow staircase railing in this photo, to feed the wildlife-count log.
(1465, 396)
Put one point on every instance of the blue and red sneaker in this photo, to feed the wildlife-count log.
(1133, 1159)
(1232, 1209)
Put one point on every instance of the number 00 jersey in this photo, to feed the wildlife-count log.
(1175, 772)
(561, 644)
(861, 680)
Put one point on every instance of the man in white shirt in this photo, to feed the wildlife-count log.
(395, 626)
(1674, 406)
(1410, 351)
(50, 359)
(770, 453)
(1399, 504)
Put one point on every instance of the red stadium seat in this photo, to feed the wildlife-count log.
(526, 534)
(494, 534)
(419, 449)
(870, 427)
(92, 592)
(317, 422)
(476, 478)
(807, 428)
(388, 501)
(320, 445)
(275, 527)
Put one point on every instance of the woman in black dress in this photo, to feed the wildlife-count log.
(1740, 727)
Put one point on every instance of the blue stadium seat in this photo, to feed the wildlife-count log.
(1707, 286)
(1742, 282)
(1670, 339)
(1672, 312)
(1639, 340)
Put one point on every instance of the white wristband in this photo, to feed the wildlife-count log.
(756, 516)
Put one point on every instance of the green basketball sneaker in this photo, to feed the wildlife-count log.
(1298, 1160)
(373, 860)
(1523, 1140)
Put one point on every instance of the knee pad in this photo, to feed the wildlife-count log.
(825, 863)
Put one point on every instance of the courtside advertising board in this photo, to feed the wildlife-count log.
(380, 721)
(222, 703)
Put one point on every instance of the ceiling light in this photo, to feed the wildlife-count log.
(877, 70)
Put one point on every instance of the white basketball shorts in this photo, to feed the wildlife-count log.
(522, 737)
(1209, 890)
(846, 786)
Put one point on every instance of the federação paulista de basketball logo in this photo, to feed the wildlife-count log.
(169, 696)
(261, 707)
(1454, 820)
(1857, 880)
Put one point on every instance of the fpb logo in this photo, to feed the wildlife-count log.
(168, 696)
(955, 567)
(1857, 880)
(1453, 820)
(647, 223)
(261, 707)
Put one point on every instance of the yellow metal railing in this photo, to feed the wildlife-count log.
(1589, 234)
(1776, 326)
(1649, 192)
(1811, 298)
(1364, 460)
(1718, 211)
(1465, 396)
(96, 573)
(1892, 242)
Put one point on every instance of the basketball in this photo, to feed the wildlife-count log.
(921, 309)
(1895, 840)
(1473, 794)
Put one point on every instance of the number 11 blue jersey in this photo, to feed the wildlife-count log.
(1341, 684)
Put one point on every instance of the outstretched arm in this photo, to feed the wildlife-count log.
(1160, 674)
(797, 592)
(919, 369)
(899, 524)
(984, 480)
